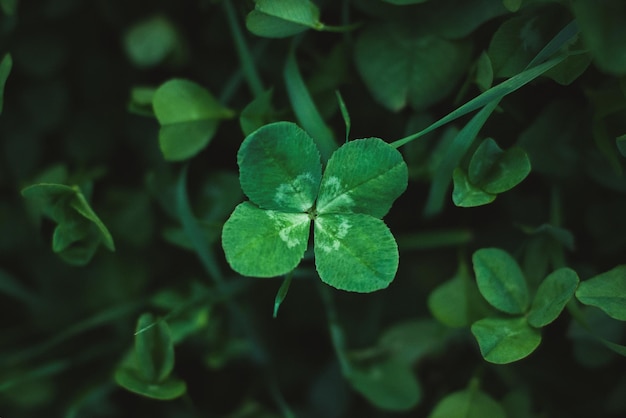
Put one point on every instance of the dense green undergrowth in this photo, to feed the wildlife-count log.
(286, 208)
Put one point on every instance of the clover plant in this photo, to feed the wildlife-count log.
(281, 173)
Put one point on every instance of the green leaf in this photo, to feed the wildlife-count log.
(572, 67)
(603, 28)
(150, 41)
(457, 19)
(71, 231)
(388, 384)
(363, 176)
(283, 18)
(344, 114)
(520, 38)
(455, 153)
(467, 195)
(171, 388)
(80, 204)
(505, 340)
(552, 139)
(457, 302)
(264, 243)
(5, 69)
(410, 67)
(496, 171)
(279, 168)
(257, 113)
(9, 7)
(620, 141)
(510, 170)
(79, 230)
(606, 291)
(483, 160)
(306, 110)
(189, 116)
(468, 403)
(493, 94)
(282, 294)
(484, 72)
(512, 5)
(500, 280)
(552, 295)
(354, 252)
(52, 199)
(140, 101)
(154, 349)
(409, 341)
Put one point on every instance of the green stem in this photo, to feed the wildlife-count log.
(305, 109)
(336, 332)
(535, 68)
(207, 258)
(494, 93)
(247, 61)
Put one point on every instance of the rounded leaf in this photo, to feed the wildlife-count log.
(280, 168)
(602, 25)
(468, 403)
(282, 18)
(402, 65)
(150, 41)
(188, 114)
(363, 176)
(510, 170)
(154, 349)
(552, 295)
(606, 291)
(483, 160)
(457, 302)
(467, 195)
(500, 280)
(409, 341)
(505, 340)
(171, 388)
(388, 384)
(264, 243)
(355, 252)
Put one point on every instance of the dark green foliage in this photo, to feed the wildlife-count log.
(189, 226)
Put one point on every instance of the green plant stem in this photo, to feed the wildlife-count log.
(336, 332)
(537, 66)
(207, 258)
(101, 318)
(565, 35)
(455, 152)
(343, 28)
(245, 57)
(305, 109)
(494, 93)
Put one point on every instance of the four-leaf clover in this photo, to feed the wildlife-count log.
(281, 173)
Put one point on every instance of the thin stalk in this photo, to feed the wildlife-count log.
(336, 332)
(207, 258)
(245, 57)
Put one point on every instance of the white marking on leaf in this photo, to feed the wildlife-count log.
(296, 192)
(332, 236)
(334, 195)
(285, 227)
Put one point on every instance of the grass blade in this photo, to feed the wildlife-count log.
(305, 109)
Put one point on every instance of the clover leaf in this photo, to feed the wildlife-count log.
(281, 173)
